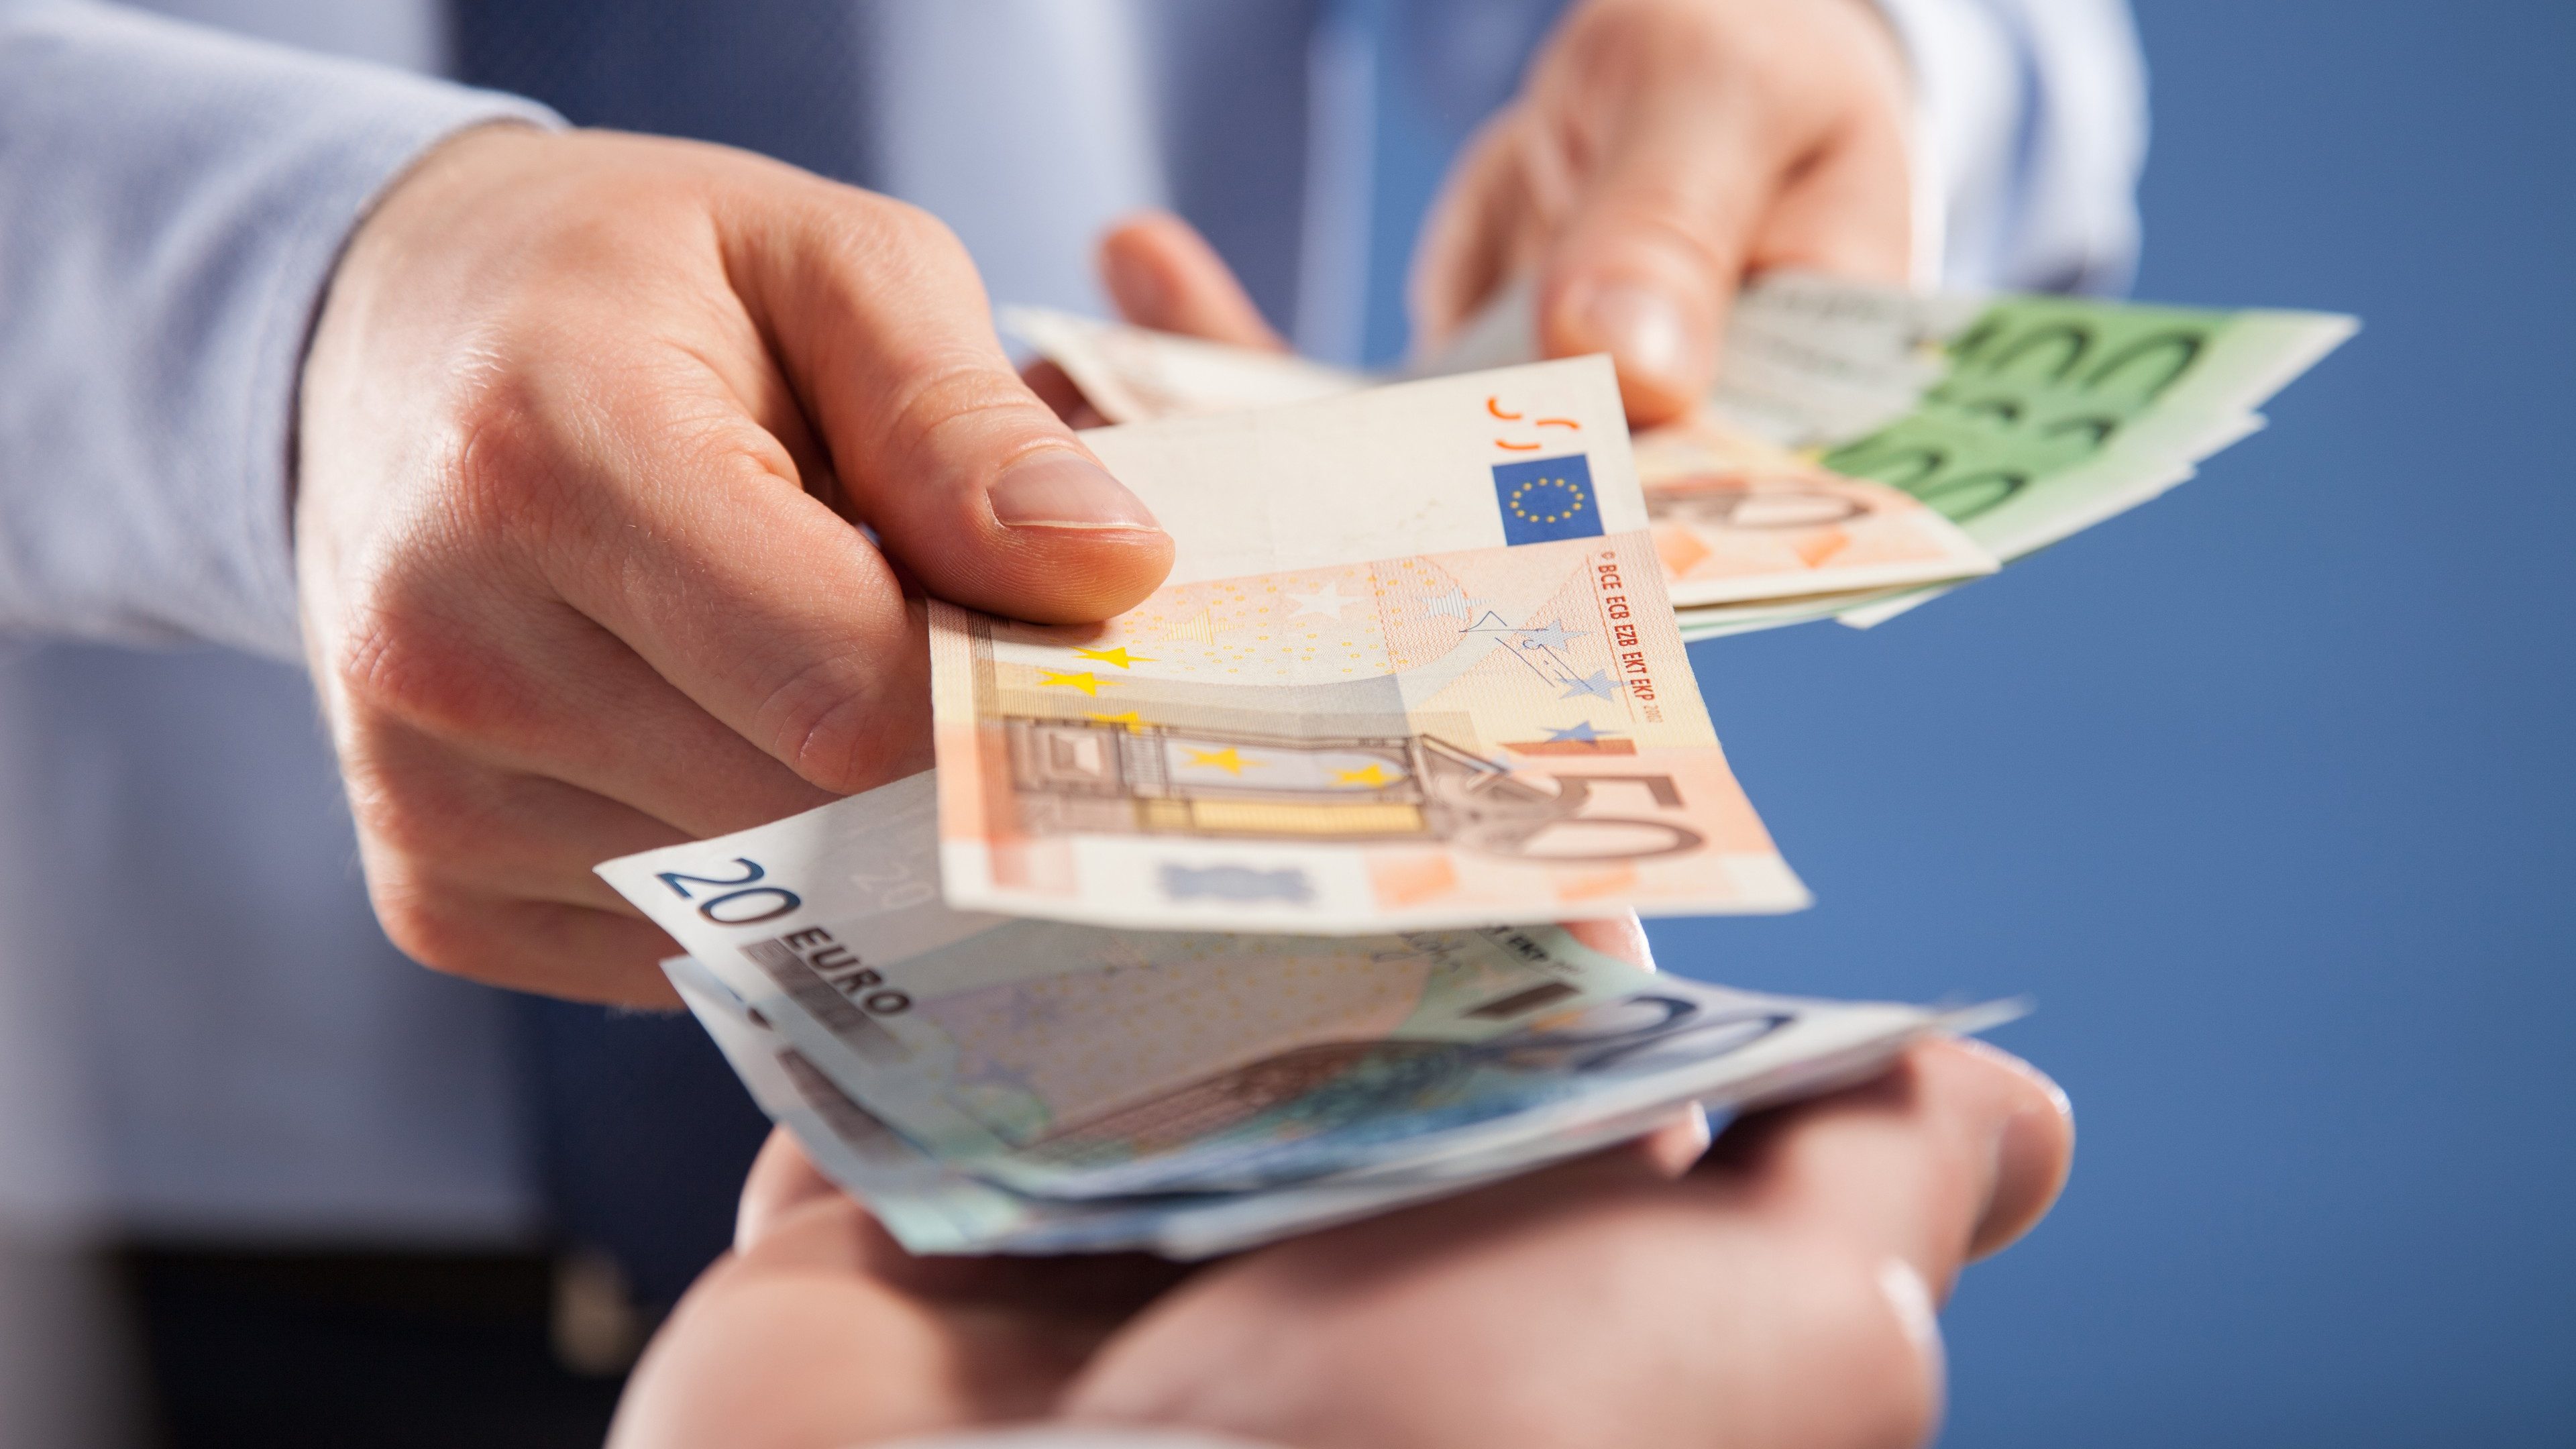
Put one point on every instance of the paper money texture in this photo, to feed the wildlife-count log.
(1414, 667)
(990, 1084)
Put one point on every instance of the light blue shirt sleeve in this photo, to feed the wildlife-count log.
(2031, 129)
(176, 201)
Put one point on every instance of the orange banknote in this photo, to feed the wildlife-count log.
(1737, 518)
(1415, 667)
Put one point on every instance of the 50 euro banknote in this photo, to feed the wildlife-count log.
(1738, 519)
(1414, 666)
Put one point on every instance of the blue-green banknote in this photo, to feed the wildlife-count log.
(994, 1084)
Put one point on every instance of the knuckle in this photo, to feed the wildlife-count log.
(427, 923)
(1622, 43)
(844, 726)
(503, 462)
(386, 812)
(916, 230)
(1670, 216)
(893, 244)
(1766, 70)
(419, 817)
(948, 403)
(890, 232)
(406, 658)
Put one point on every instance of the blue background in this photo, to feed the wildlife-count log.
(2263, 790)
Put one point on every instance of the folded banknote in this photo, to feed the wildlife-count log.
(1414, 666)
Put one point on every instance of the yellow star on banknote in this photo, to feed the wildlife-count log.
(1130, 719)
(1086, 682)
(1118, 656)
(1226, 759)
(1370, 775)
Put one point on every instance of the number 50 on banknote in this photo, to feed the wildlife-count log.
(1414, 667)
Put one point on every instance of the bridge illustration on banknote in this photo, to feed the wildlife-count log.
(1089, 777)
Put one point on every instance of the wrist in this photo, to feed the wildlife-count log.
(425, 201)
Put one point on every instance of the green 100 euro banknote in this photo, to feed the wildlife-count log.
(1414, 666)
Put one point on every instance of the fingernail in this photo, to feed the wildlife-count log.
(1054, 488)
(1643, 331)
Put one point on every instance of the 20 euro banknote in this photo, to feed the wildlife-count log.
(933, 1208)
(1042, 1053)
(1049, 1063)
(1414, 666)
(1546, 1103)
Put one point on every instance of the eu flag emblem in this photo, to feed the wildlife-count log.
(1544, 499)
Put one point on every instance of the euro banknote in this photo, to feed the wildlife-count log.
(2022, 420)
(1736, 516)
(1133, 375)
(1808, 361)
(933, 1208)
(989, 1084)
(1414, 666)
(1029, 1048)
(1738, 519)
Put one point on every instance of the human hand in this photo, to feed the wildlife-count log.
(1161, 274)
(587, 423)
(1661, 151)
(1779, 1293)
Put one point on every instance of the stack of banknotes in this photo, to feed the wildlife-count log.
(1863, 449)
(996, 1084)
(1191, 938)
(1297, 892)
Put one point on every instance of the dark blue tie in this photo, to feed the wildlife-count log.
(780, 77)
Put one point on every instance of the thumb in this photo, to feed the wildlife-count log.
(1646, 267)
(968, 478)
